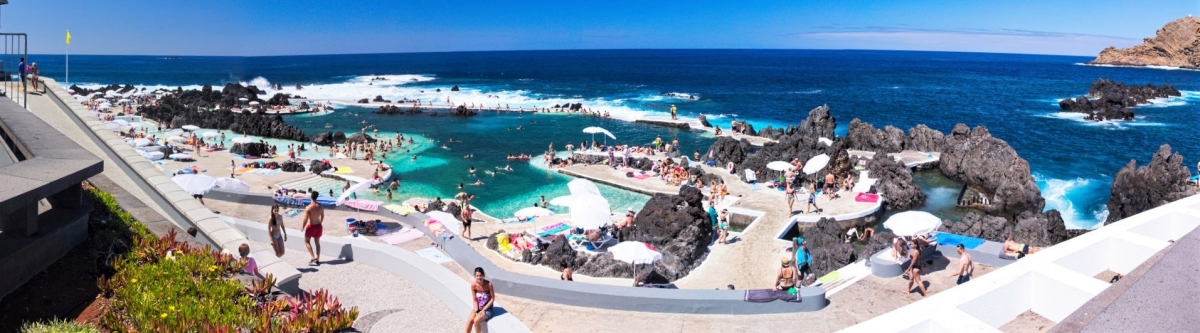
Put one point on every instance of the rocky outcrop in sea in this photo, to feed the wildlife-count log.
(200, 108)
(1109, 100)
(1176, 44)
(992, 169)
(1138, 189)
(895, 184)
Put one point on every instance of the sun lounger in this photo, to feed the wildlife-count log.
(771, 295)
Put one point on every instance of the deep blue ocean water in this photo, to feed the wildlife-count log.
(1015, 96)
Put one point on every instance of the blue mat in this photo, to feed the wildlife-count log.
(949, 239)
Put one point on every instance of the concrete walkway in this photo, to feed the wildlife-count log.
(385, 303)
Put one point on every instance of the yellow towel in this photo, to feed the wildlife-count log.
(398, 209)
(344, 170)
(502, 241)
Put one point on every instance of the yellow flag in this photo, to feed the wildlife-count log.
(68, 37)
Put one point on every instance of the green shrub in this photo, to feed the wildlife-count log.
(124, 222)
(58, 326)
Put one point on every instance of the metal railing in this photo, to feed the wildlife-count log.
(15, 86)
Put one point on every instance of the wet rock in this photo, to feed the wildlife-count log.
(704, 121)
(1138, 189)
(727, 149)
(455, 88)
(462, 111)
(339, 137)
(1042, 229)
(379, 99)
(291, 166)
(829, 251)
(973, 224)
(863, 136)
(741, 127)
(324, 139)
(989, 166)
(360, 138)
(279, 100)
(363, 101)
(895, 184)
(1109, 100)
(317, 167)
(249, 149)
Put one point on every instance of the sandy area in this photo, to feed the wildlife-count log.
(1028, 322)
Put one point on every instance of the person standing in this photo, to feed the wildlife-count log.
(915, 266)
(23, 69)
(33, 71)
(314, 215)
(966, 266)
(483, 296)
(673, 112)
(276, 230)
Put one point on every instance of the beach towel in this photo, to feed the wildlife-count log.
(367, 205)
(292, 212)
(344, 170)
(245, 169)
(770, 295)
(398, 209)
(641, 176)
(866, 197)
(401, 236)
(949, 239)
(831, 277)
(433, 254)
(551, 229)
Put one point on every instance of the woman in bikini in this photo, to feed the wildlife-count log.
(915, 266)
(723, 226)
(484, 296)
(277, 231)
(790, 194)
(786, 279)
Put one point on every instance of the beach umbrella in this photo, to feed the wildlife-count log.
(816, 164)
(135, 125)
(593, 130)
(912, 223)
(232, 184)
(141, 142)
(589, 211)
(176, 138)
(451, 222)
(80, 98)
(124, 100)
(242, 140)
(112, 126)
(211, 134)
(356, 190)
(179, 156)
(195, 184)
(254, 103)
(825, 140)
(533, 212)
(779, 166)
(582, 186)
(190, 127)
(121, 122)
(110, 93)
(635, 253)
(243, 99)
(561, 201)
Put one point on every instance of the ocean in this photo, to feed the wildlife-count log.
(1015, 96)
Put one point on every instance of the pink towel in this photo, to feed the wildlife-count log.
(401, 237)
(866, 197)
(642, 176)
(367, 205)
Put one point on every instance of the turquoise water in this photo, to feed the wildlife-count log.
(490, 137)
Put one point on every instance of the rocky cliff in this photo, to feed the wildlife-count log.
(1177, 44)
(991, 168)
(1138, 189)
(1107, 99)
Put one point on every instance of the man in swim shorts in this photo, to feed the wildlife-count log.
(314, 215)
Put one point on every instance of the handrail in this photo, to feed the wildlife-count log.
(14, 44)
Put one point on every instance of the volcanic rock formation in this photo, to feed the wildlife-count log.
(1138, 189)
(193, 107)
(992, 169)
(1108, 100)
(1177, 44)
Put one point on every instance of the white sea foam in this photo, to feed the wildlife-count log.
(1057, 194)
(806, 92)
(1170, 68)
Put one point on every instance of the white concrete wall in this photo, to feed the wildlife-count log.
(1052, 283)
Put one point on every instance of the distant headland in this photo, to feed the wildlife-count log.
(1177, 44)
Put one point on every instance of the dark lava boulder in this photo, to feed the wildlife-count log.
(320, 166)
(339, 137)
(802, 142)
(291, 166)
(895, 184)
(1107, 99)
(704, 121)
(1042, 229)
(679, 227)
(771, 133)
(1138, 189)
(379, 99)
(462, 111)
(455, 88)
(389, 109)
(727, 149)
(741, 127)
(249, 149)
(829, 250)
(973, 224)
(881, 240)
(453, 209)
(279, 100)
(863, 136)
(990, 167)
(925, 139)
(324, 139)
(363, 101)
(360, 138)
(194, 107)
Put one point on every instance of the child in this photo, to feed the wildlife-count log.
(251, 266)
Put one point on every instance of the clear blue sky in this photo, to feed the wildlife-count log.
(272, 27)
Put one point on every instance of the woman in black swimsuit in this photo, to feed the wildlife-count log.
(915, 266)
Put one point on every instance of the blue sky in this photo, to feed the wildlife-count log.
(272, 27)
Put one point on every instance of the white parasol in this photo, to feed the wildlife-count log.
(195, 184)
(176, 138)
(124, 100)
(232, 184)
(912, 223)
(562, 201)
(593, 130)
(190, 127)
(635, 252)
(243, 99)
(179, 156)
(582, 186)
(135, 125)
(254, 103)
(779, 166)
(121, 122)
(80, 98)
(211, 134)
(589, 212)
(242, 140)
(141, 142)
(816, 164)
(533, 212)
(112, 125)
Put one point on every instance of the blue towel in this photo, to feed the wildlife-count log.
(950, 239)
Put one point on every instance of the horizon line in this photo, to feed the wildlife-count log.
(561, 50)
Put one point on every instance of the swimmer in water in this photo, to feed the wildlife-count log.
(507, 168)
(478, 182)
(414, 157)
(490, 173)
